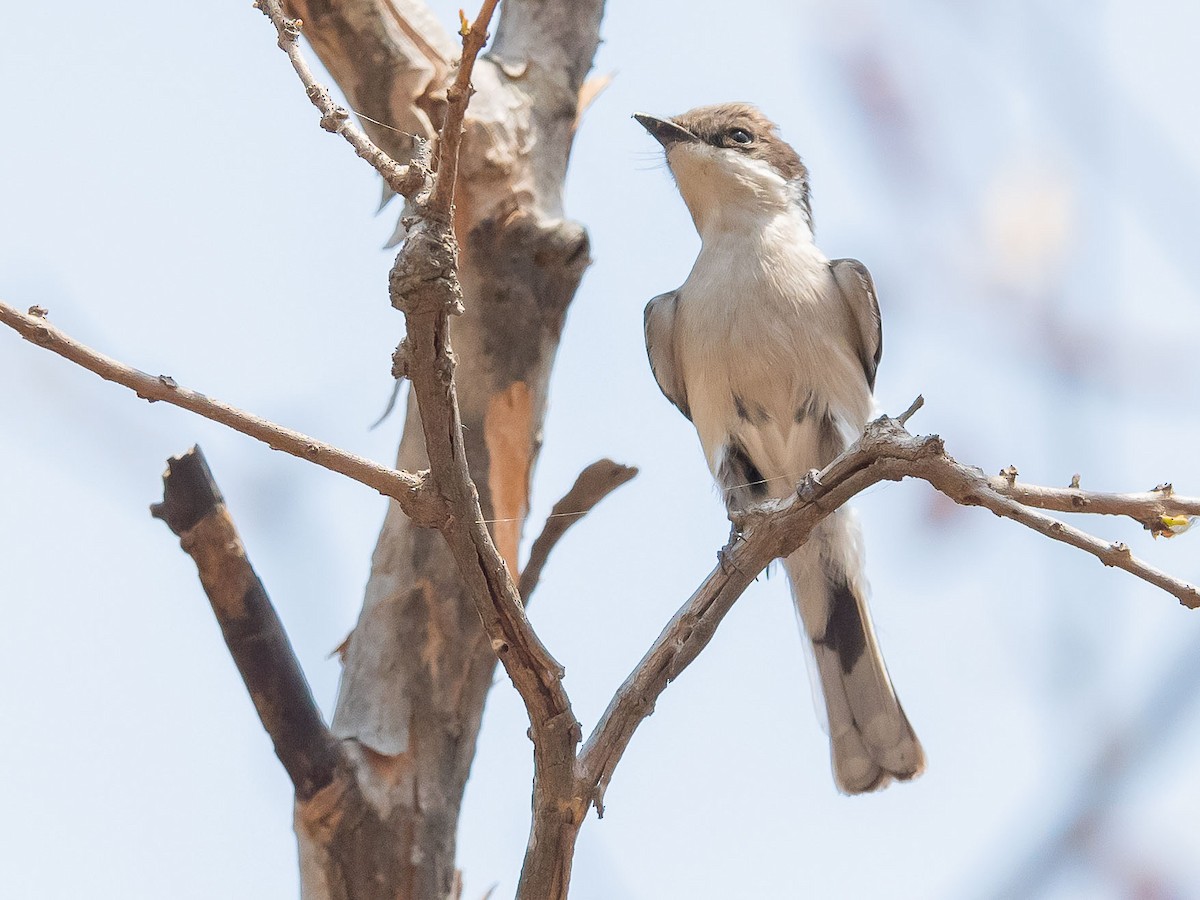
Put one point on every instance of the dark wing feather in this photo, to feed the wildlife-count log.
(858, 290)
(660, 347)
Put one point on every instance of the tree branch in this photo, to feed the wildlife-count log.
(885, 452)
(450, 134)
(193, 508)
(1147, 508)
(407, 489)
(767, 532)
(968, 487)
(594, 483)
(405, 180)
(390, 57)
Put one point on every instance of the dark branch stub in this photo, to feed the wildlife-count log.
(194, 510)
(189, 492)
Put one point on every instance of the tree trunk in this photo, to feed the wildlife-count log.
(417, 667)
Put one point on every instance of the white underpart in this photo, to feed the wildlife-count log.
(760, 318)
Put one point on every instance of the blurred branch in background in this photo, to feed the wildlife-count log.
(1075, 831)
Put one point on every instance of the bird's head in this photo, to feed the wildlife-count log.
(731, 164)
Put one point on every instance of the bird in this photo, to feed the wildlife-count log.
(770, 349)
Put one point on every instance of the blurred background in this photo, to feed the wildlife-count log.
(1023, 181)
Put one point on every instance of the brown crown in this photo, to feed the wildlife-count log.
(715, 125)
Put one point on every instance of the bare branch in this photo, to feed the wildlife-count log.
(406, 180)
(195, 511)
(967, 487)
(594, 483)
(450, 134)
(767, 532)
(407, 489)
(522, 261)
(912, 409)
(392, 59)
(1148, 508)
(885, 452)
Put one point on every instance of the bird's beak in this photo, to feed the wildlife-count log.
(664, 131)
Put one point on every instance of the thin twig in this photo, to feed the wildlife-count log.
(1147, 508)
(407, 180)
(450, 135)
(912, 409)
(406, 488)
(966, 487)
(594, 483)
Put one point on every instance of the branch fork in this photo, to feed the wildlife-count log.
(406, 180)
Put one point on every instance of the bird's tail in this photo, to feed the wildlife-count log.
(871, 739)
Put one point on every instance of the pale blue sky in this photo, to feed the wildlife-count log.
(1022, 179)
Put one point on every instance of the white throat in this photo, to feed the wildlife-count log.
(728, 192)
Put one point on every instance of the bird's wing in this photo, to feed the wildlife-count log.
(660, 347)
(858, 291)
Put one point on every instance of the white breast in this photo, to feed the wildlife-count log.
(761, 324)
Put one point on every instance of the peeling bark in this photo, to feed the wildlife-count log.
(418, 666)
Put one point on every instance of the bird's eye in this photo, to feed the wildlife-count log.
(740, 136)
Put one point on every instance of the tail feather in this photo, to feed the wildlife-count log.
(871, 739)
